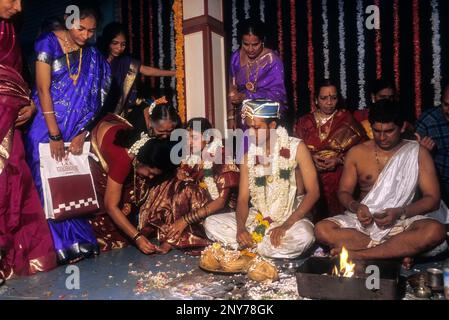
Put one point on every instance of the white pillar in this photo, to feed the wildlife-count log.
(205, 63)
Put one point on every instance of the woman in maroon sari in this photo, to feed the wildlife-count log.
(329, 132)
(26, 246)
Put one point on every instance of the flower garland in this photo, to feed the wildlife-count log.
(235, 21)
(325, 38)
(417, 58)
(342, 45)
(160, 23)
(396, 45)
(193, 159)
(180, 64)
(130, 26)
(246, 7)
(262, 10)
(294, 51)
(436, 46)
(361, 53)
(172, 54)
(280, 29)
(311, 54)
(142, 40)
(378, 41)
(283, 163)
(262, 225)
(151, 42)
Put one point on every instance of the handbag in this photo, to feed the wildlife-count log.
(68, 186)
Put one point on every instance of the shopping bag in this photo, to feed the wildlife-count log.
(68, 186)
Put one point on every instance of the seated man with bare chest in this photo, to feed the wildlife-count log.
(383, 222)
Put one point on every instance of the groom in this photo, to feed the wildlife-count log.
(384, 222)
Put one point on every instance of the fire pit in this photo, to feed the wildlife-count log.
(315, 280)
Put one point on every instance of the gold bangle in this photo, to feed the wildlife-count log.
(137, 236)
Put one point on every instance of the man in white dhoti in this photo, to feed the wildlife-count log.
(279, 177)
(386, 223)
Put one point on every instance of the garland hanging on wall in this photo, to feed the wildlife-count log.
(130, 27)
(280, 29)
(361, 53)
(311, 54)
(342, 47)
(325, 38)
(436, 52)
(235, 21)
(294, 52)
(396, 45)
(417, 58)
(378, 46)
(180, 66)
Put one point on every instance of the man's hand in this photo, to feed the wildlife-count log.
(276, 235)
(25, 114)
(175, 231)
(76, 146)
(364, 215)
(426, 142)
(245, 239)
(388, 218)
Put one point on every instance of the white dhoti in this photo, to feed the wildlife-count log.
(395, 188)
(300, 237)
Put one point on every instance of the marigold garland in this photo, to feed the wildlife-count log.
(417, 58)
(378, 47)
(280, 29)
(180, 65)
(396, 46)
(294, 52)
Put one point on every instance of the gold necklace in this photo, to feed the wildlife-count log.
(68, 47)
(252, 85)
(319, 120)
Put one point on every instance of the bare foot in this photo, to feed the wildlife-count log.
(407, 263)
(165, 248)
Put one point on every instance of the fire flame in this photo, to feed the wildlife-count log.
(347, 268)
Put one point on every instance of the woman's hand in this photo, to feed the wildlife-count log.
(146, 246)
(57, 150)
(319, 163)
(76, 146)
(25, 114)
(176, 229)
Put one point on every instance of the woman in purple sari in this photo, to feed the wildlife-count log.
(256, 72)
(72, 80)
(26, 246)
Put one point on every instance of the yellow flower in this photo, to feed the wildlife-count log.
(203, 185)
(257, 237)
(265, 223)
(216, 246)
(259, 218)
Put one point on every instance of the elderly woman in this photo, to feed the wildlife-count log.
(329, 132)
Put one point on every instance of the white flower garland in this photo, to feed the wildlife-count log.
(195, 159)
(235, 21)
(262, 10)
(135, 148)
(280, 193)
(246, 7)
(361, 51)
(325, 39)
(160, 39)
(342, 45)
(436, 46)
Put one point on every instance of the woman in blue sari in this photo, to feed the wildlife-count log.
(72, 80)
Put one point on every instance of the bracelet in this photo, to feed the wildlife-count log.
(48, 112)
(57, 137)
(350, 204)
(231, 118)
(137, 236)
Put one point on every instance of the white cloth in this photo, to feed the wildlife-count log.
(395, 187)
(223, 228)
